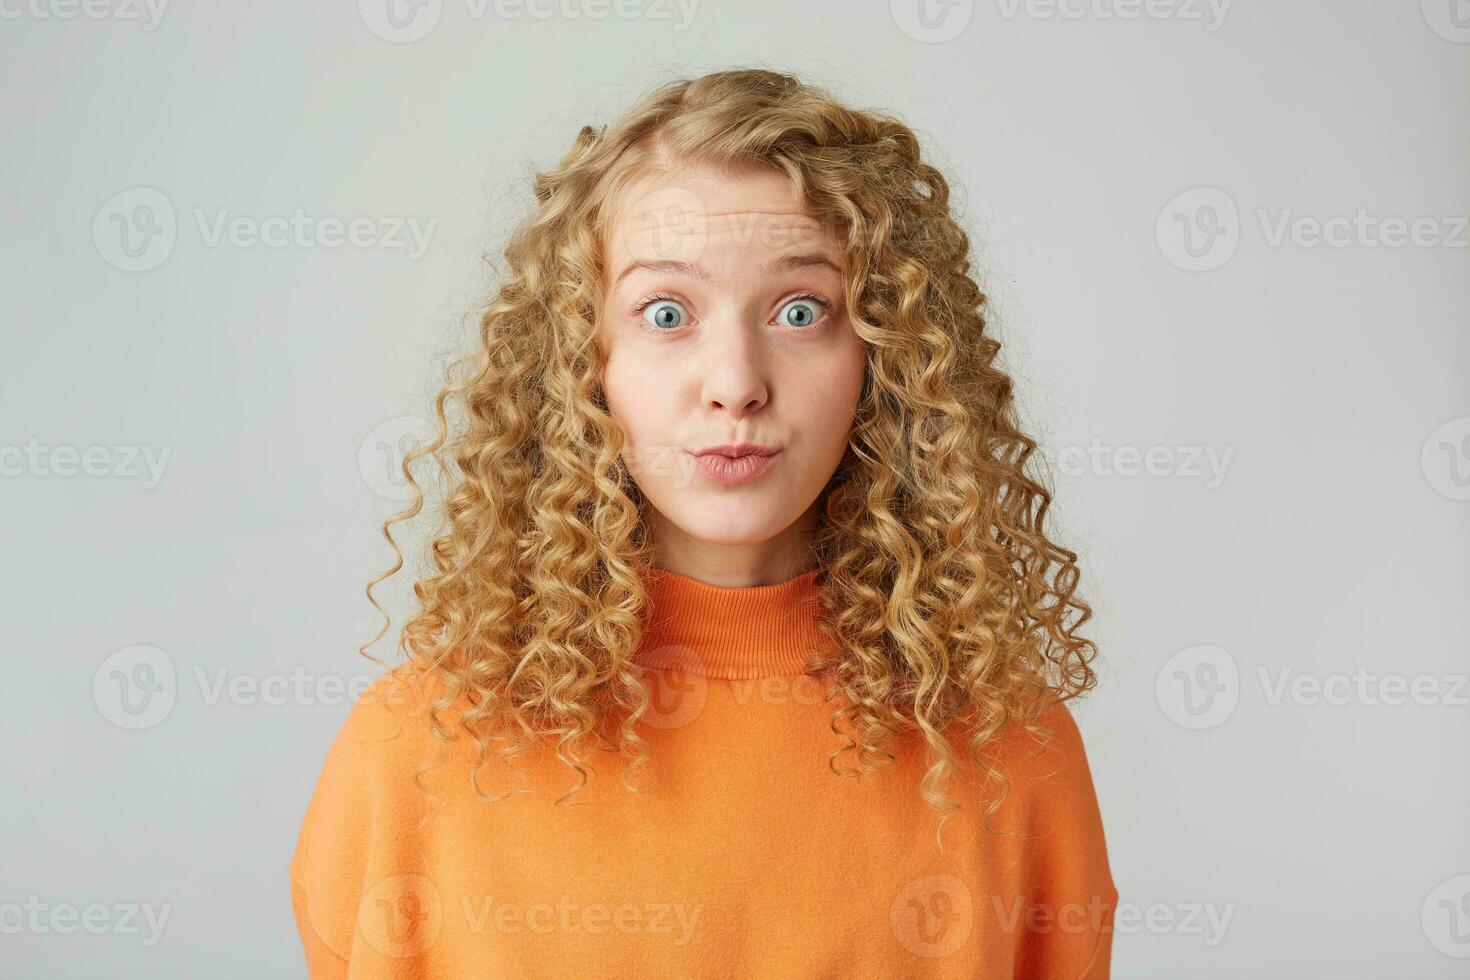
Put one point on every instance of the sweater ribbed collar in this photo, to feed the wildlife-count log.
(733, 633)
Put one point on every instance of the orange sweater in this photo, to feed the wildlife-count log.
(750, 858)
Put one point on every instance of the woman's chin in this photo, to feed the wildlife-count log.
(732, 522)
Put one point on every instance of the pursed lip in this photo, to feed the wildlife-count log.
(739, 449)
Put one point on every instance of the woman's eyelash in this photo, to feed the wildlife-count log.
(655, 298)
(826, 304)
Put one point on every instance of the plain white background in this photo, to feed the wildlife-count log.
(1227, 251)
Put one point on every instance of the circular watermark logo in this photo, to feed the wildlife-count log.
(932, 21)
(383, 450)
(1446, 458)
(933, 916)
(400, 21)
(676, 693)
(667, 222)
(1199, 230)
(1198, 687)
(1446, 917)
(1450, 19)
(135, 230)
(135, 687)
(401, 915)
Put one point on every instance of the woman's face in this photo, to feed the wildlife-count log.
(723, 324)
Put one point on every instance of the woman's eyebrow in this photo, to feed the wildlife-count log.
(785, 263)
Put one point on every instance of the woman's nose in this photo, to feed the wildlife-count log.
(734, 367)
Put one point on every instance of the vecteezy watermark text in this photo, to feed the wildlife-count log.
(149, 12)
(1159, 918)
(1199, 230)
(406, 21)
(136, 230)
(137, 687)
(112, 462)
(1207, 463)
(403, 915)
(937, 21)
(1200, 687)
(673, 919)
(1211, 13)
(40, 918)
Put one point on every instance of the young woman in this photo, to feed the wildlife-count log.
(743, 518)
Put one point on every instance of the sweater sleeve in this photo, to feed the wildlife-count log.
(336, 842)
(322, 961)
(1068, 904)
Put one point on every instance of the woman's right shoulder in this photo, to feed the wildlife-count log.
(388, 727)
(385, 742)
(373, 763)
(365, 795)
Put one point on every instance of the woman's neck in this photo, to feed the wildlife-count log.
(777, 559)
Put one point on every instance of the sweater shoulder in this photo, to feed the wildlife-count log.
(1047, 800)
(385, 734)
(368, 789)
(1063, 896)
(1052, 755)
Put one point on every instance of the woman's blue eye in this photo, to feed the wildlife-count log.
(666, 314)
(802, 313)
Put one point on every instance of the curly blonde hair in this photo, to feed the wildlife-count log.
(945, 598)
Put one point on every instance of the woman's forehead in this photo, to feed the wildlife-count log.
(692, 224)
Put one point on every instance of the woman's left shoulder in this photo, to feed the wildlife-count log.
(1049, 797)
(1065, 884)
(1046, 754)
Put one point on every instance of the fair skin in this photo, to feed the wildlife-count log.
(743, 338)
